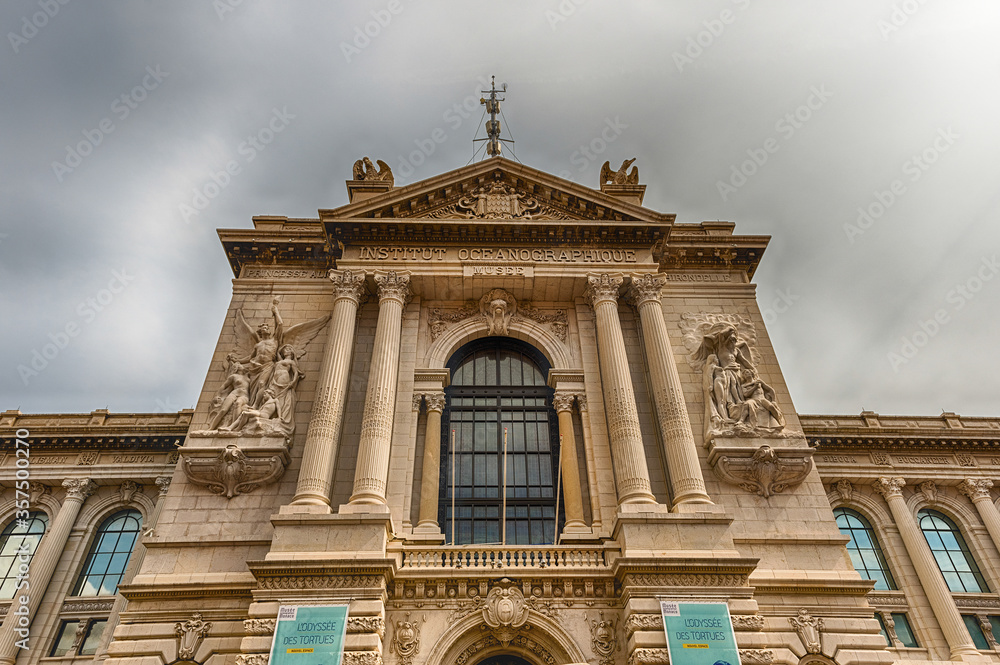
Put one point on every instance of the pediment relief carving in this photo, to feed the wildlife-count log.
(498, 309)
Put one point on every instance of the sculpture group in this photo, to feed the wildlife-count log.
(258, 395)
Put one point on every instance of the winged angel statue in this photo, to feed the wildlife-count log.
(258, 396)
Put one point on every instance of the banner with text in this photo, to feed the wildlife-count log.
(699, 633)
(309, 635)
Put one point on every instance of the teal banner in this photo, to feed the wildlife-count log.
(699, 633)
(309, 635)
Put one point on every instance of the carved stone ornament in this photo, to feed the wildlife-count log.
(879, 458)
(348, 284)
(435, 401)
(190, 633)
(362, 658)
(890, 628)
(764, 471)
(498, 200)
(646, 287)
(809, 629)
(756, 656)
(232, 471)
(128, 490)
(258, 395)
(563, 401)
(557, 319)
(365, 170)
(498, 307)
(976, 488)
(366, 625)
(929, 490)
(603, 639)
(621, 176)
(163, 482)
(79, 488)
(889, 487)
(603, 287)
(649, 656)
(393, 285)
(505, 611)
(36, 491)
(748, 622)
(984, 623)
(521, 642)
(737, 401)
(406, 639)
(440, 319)
(845, 489)
(253, 659)
(258, 626)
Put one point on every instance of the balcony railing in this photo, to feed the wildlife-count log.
(485, 557)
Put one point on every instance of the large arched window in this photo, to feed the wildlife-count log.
(19, 538)
(951, 553)
(497, 385)
(866, 553)
(109, 554)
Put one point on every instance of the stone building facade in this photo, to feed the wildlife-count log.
(497, 386)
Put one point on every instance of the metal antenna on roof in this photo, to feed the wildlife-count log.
(492, 104)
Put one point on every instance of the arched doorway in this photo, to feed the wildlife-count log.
(499, 384)
(504, 659)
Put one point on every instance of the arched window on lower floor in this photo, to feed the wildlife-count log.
(866, 553)
(109, 554)
(951, 553)
(18, 543)
(499, 408)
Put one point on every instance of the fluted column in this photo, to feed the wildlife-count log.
(572, 493)
(631, 472)
(320, 453)
(927, 569)
(43, 564)
(686, 480)
(429, 476)
(380, 400)
(978, 490)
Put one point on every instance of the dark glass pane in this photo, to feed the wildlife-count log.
(972, 624)
(93, 638)
(67, 635)
(903, 630)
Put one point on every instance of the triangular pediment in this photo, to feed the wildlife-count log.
(496, 189)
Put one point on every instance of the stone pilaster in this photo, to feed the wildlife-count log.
(430, 475)
(572, 493)
(43, 564)
(942, 604)
(380, 400)
(323, 437)
(631, 472)
(686, 479)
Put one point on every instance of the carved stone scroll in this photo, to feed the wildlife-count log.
(603, 639)
(505, 611)
(234, 470)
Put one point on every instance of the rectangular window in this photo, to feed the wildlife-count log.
(95, 631)
(976, 631)
(901, 626)
(67, 635)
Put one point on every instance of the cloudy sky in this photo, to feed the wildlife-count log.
(862, 135)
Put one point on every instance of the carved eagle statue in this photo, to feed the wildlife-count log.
(365, 170)
(621, 176)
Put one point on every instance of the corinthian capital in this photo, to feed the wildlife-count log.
(645, 288)
(348, 284)
(603, 287)
(889, 487)
(393, 285)
(562, 401)
(976, 488)
(435, 401)
(79, 488)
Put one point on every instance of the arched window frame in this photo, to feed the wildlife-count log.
(109, 554)
(960, 571)
(539, 511)
(10, 549)
(877, 557)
